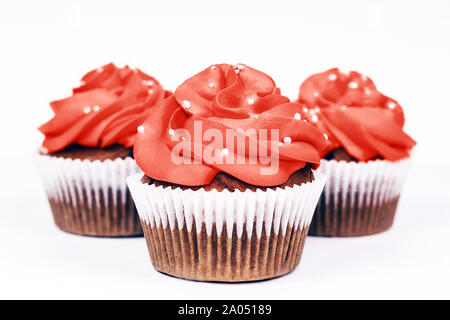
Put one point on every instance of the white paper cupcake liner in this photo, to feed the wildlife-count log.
(222, 235)
(90, 197)
(360, 198)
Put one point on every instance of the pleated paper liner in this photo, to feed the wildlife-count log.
(90, 197)
(359, 198)
(225, 236)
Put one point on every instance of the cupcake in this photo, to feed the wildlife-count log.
(228, 190)
(366, 157)
(87, 152)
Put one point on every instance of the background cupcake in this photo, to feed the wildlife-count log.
(367, 153)
(211, 210)
(87, 151)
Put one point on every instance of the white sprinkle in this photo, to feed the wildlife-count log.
(280, 143)
(149, 82)
(305, 109)
(171, 131)
(332, 77)
(316, 94)
(314, 118)
(317, 109)
(297, 116)
(225, 151)
(326, 136)
(186, 104)
(364, 77)
(238, 68)
(183, 138)
(367, 91)
(43, 150)
(391, 105)
(343, 107)
(100, 70)
(140, 129)
(211, 85)
(254, 115)
(353, 85)
(82, 83)
(251, 101)
(287, 140)
(87, 110)
(150, 91)
(213, 68)
(96, 108)
(312, 111)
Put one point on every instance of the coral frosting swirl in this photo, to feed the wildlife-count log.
(106, 109)
(224, 98)
(355, 116)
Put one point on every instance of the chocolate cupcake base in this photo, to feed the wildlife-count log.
(199, 256)
(90, 197)
(100, 218)
(228, 236)
(352, 221)
(359, 198)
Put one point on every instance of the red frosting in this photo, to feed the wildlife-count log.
(355, 116)
(226, 97)
(106, 109)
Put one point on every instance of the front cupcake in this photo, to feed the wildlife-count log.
(228, 190)
(366, 157)
(87, 151)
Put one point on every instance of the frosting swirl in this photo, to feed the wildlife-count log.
(104, 110)
(355, 116)
(225, 99)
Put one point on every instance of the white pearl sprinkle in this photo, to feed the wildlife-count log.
(211, 85)
(317, 109)
(353, 85)
(297, 116)
(87, 110)
(100, 70)
(171, 131)
(314, 118)
(149, 82)
(305, 109)
(140, 129)
(238, 68)
(364, 77)
(287, 140)
(391, 105)
(326, 136)
(186, 104)
(251, 101)
(254, 115)
(183, 138)
(213, 68)
(332, 77)
(343, 107)
(225, 151)
(367, 91)
(280, 143)
(150, 91)
(316, 94)
(96, 108)
(43, 150)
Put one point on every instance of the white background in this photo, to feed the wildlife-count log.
(404, 46)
